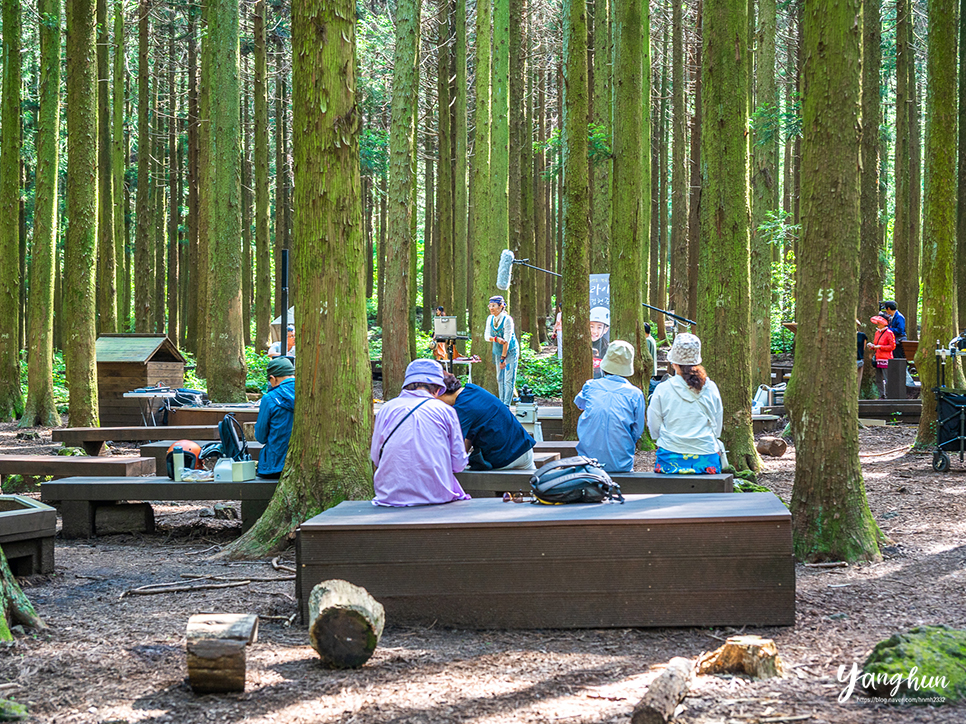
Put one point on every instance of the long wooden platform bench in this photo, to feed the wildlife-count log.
(211, 414)
(489, 483)
(657, 560)
(78, 498)
(62, 466)
(92, 439)
(566, 448)
(159, 451)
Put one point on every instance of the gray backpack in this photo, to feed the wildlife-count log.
(573, 480)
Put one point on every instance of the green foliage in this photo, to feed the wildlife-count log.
(778, 230)
(60, 391)
(374, 152)
(598, 148)
(72, 452)
(769, 122)
(543, 375)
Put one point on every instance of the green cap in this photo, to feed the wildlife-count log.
(280, 367)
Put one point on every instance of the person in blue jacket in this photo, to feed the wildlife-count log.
(276, 413)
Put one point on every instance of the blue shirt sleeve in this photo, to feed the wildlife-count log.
(264, 417)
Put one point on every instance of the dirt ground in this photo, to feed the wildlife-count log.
(108, 659)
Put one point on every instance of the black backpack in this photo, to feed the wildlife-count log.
(233, 442)
(573, 480)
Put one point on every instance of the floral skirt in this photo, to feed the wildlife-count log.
(670, 463)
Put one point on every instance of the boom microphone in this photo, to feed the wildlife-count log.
(503, 271)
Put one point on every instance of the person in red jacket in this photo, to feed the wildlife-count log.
(882, 344)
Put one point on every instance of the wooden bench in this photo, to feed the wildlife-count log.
(567, 449)
(159, 451)
(62, 466)
(27, 530)
(210, 415)
(542, 458)
(78, 498)
(482, 484)
(92, 439)
(657, 560)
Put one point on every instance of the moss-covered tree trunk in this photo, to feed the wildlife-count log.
(764, 183)
(724, 304)
(830, 514)
(462, 284)
(601, 111)
(263, 254)
(514, 176)
(577, 356)
(871, 266)
(444, 186)
(192, 272)
(118, 167)
(226, 373)
(399, 241)
(486, 252)
(659, 294)
(540, 204)
(961, 173)
(694, 205)
(174, 196)
(248, 261)
(528, 289)
(939, 215)
(328, 457)
(143, 256)
(158, 159)
(679, 170)
(80, 260)
(15, 607)
(901, 227)
(106, 251)
(204, 186)
(40, 408)
(629, 235)
(11, 399)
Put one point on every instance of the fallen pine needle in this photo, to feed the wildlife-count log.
(155, 588)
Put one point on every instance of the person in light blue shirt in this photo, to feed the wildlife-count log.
(613, 412)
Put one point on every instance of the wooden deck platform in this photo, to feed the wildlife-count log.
(490, 483)
(62, 466)
(211, 414)
(92, 439)
(77, 498)
(657, 560)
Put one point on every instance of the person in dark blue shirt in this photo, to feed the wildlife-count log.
(276, 413)
(498, 439)
(897, 323)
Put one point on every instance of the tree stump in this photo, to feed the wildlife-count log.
(345, 624)
(773, 446)
(751, 655)
(664, 694)
(216, 650)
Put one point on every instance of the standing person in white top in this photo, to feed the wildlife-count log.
(506, 350)
(685, 414)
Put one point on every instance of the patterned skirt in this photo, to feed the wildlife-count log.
(670, 463)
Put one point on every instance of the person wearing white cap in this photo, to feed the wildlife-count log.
(685, 414)
(417, 443)
(506, 350)
(612, 420)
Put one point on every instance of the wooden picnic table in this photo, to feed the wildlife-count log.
(211, 414)
(62, 466)
(92, 439)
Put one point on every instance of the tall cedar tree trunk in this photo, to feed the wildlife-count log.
(381, 253)
(174, 199)
(192, 272)
(764, 186)
(279, 179)
(328, 462)
(679, 171)
(540, 202)
(444, 188)
(40, 408)
(486, 250)
(694, 206)
(901, 228)
(499, 158)
(871, 267)
(143, 259)
(396, 330)
(577, 356)
(248, 260)
(939, 217)
(106, 251)
(226, 378)
(724, 315)
(158, 156)
(830, 513)
(915, 204)
(961, 173)
(413, 228)
(528, 290)
(81, 250)
(631, 205)
(15, 607)
(263, 254)
(11, 399)
(514, 188)
(662, 216)
(204, 188)
(653, 152)
(601, 171)
(118, 164)
(462, 286)
(430, 247)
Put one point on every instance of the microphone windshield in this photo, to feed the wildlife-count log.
(503, 271)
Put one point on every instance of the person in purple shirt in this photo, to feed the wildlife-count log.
(417, 444)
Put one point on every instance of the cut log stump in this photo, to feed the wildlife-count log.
(664, 694)
(216, 650)
(773, 446)
(345, 623)
(751, 655)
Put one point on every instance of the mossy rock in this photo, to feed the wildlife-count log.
(911, 665)
(12, 711)
(72, 451)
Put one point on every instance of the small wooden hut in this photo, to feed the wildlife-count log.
(126, 362)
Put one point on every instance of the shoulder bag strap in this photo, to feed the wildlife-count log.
(405, 417)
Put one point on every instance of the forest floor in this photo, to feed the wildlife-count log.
(110, 660)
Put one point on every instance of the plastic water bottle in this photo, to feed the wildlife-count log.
(178, 463)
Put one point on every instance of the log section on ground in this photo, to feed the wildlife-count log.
(345, 624)
(216, 650)
(665, 693)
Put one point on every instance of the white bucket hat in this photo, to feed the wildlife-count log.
(686, 350)
(618, 359)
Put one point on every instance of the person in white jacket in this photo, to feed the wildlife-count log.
(685, 414)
